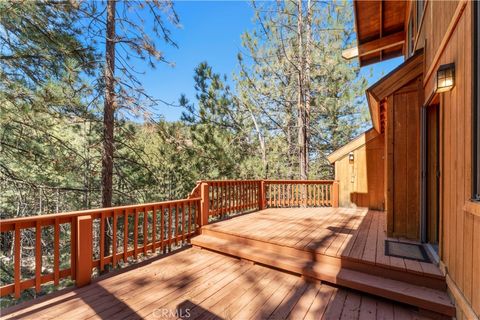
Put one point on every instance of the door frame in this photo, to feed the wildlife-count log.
(433, 101)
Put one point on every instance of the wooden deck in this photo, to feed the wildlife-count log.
(199, 284)
(341, 246)
(354, 235)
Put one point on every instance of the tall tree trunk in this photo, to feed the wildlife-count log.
(261, 141)
(307, 84)
(108, 115)
(301, 99)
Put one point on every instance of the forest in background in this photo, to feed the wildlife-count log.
(76, 123)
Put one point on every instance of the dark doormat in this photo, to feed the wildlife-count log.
(406, 250)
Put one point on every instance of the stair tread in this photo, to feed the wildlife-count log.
(423, 297)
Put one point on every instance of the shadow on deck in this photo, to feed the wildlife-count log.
(284, 243)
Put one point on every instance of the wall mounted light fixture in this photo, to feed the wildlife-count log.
(445, 78)
(351, 157)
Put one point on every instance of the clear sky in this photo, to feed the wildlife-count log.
(210, 32)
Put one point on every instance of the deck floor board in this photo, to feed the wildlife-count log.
(210, 286)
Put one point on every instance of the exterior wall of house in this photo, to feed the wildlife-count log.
(446, 35)
(403, 161)
(361, 181)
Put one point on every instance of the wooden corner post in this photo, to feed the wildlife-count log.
(205, 203)
(261, 195)
(83, 265)
(335, 190)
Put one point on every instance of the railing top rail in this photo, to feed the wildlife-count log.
(230, 180)
(299, 181)
(269, 181)
(72, 214)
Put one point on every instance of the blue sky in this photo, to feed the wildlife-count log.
(210, 32)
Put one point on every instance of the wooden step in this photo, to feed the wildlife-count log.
(422, 297)
(433, 281)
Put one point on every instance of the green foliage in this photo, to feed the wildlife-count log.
(268, 84)
(219, 135)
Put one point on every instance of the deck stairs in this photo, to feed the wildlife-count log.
(422, 291)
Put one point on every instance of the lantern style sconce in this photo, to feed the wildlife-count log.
(351, 157)
(445, 78)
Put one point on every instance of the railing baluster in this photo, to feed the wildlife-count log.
(274, 195)
(114, 240)
(214, 196)
(102, 241)
(222, 198)
(135, 233)
(17, 266)
(225, 199)
(170, 229)
(213, 207)
(221, 190)
(218, 207)
(183, 223)
(38, 257)
(304, 194)
(239, 196)
(145, 230)
(189, 215)
(154, 229)
(280, 195)
(176, 225)
(277, 196)
(292, 195)
(56, 253)
(248, 195)
(162, 228)
(125, 236)
(323, 196)
(308, 197)
(229, 211)
(73, 247)
(269, 197)
(252, 195)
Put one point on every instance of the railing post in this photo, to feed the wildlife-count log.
(335, 194)
(83, 262)
(205, 203)
(261, 195)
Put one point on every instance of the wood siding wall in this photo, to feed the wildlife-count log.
(403, 161)
(362, 182)
(446, 35)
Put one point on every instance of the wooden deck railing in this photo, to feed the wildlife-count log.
(156, 226)
(230, 197)
(145, 228)
(298, 193)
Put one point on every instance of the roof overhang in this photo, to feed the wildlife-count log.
(409, 70)
(380, 28)
(353, 145)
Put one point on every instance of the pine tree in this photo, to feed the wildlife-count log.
(219, 130)
(42, 59)
(302, 93)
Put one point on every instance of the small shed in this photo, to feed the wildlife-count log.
(359, 167)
